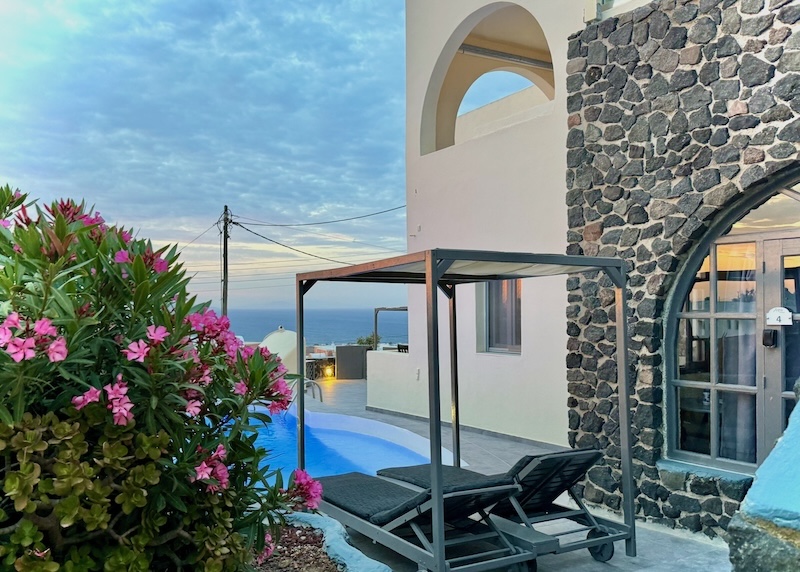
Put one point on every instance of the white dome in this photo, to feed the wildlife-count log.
(284, 343)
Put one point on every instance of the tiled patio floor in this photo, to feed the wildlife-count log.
(659, 548)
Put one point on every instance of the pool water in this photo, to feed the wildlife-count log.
(334, 451)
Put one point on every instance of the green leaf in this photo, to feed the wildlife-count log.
(177, 503)
(5, 414)
(141, 295)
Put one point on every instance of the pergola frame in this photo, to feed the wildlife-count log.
(443, 270)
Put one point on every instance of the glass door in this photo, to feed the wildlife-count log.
(782, 361)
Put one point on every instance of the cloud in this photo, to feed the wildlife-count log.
(160, 113)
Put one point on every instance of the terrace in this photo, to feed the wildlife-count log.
(659, 548)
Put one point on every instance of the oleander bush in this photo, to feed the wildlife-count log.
(128, 411)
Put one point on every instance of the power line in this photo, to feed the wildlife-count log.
(289, 247)
(199, 236)
(271, 264)
(264, 223)
(351, 240)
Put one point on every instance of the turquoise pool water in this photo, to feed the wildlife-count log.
(358, 446)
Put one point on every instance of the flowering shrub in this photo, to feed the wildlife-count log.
(127, 426)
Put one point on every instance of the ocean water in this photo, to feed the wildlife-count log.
(322, 327)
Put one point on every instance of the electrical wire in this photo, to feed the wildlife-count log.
(271, 264)
(199, 236)
(290, 247)
(264, 223)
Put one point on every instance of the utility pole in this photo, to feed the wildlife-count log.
(226, 221)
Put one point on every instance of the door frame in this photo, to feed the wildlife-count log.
(676, 296)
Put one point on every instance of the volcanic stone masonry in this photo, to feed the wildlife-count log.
(675, 110)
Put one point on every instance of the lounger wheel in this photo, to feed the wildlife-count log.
(600, 552)
(529, 566)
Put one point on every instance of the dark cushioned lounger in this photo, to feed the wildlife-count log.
(542, 479)
(386, 511)
(372, 499)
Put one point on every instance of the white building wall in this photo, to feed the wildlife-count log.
(503, 190)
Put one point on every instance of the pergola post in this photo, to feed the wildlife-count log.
(434, 412)
(623, 392)
(455, 416)
(300, 387)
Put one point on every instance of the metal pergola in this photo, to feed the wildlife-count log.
(443, 270)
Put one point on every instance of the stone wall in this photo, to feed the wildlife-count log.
(675, 110)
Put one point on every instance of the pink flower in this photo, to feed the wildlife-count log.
(91, 396)
(137, 351)
(122, 257)
(4, 223)
(21, 348)
(12, 321)
(220, 452)
(202, 471)
(308, 488)
(269, 548)
(44, 327)
(220, 473)
(121, 410)
(240, 388)
(57, 351)
(278, 405)
(160, 265)
(118, 390)
(193, 407)
(157, 334)
(5, 336)
(125, 236)
(282, 388)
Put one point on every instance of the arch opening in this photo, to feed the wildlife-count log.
(730, 372)
(500, 38)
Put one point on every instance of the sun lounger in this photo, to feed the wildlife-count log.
(542, 479)
(398, 517)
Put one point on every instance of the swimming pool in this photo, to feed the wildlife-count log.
(337, 444)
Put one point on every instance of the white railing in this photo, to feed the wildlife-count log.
(600, 9)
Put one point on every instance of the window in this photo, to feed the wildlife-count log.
(730, 391)
(503, 317)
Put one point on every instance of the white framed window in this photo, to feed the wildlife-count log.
(503, 318)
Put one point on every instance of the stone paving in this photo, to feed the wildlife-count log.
(659, 548)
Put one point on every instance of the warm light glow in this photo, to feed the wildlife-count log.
(328, 371)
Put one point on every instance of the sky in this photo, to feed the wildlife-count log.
(160, 113)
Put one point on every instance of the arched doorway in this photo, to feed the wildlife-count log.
(730, 371)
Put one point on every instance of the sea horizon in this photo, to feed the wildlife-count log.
(322, 326)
